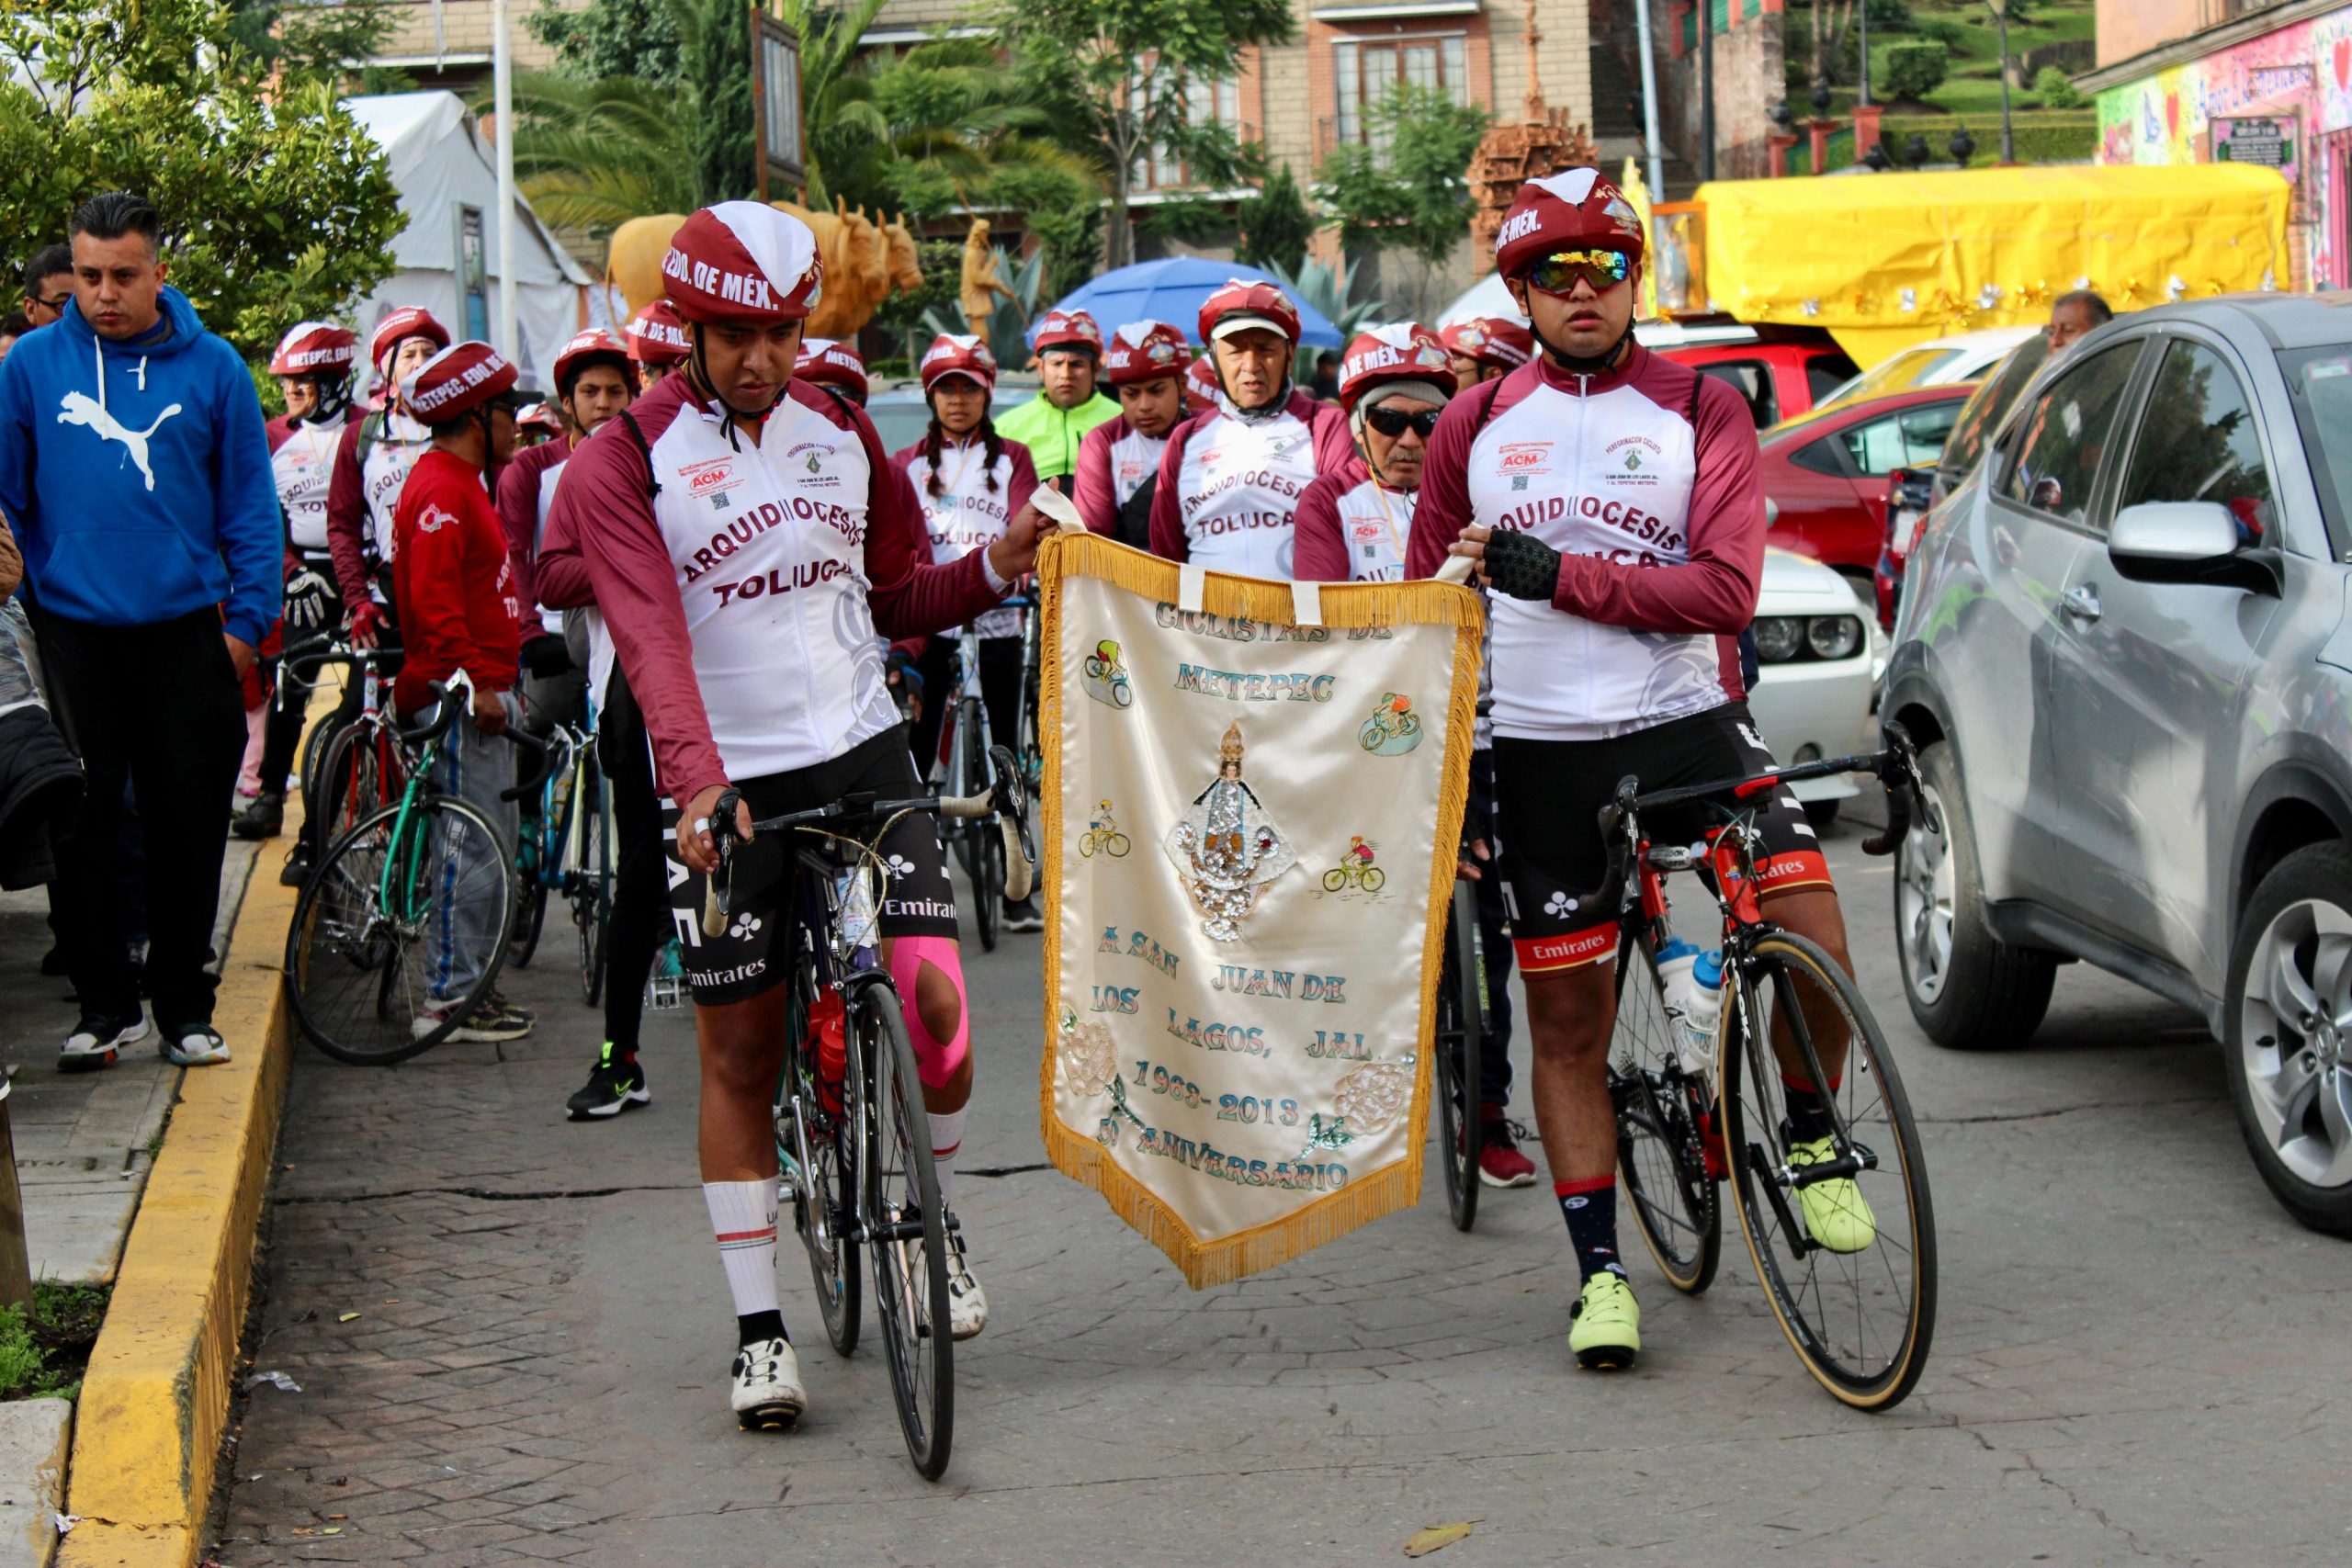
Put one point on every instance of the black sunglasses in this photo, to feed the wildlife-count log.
(1393, 423)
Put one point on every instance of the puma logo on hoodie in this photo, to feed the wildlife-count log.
(83, 408)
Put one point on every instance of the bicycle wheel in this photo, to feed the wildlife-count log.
(592, 888)
(820, 1149)
(1460, 1025)
(1374, 879)
(1660, 1158)
(359, 963)
(905, 1225)
(1334, 880)
(1861, 1321)
(530, 901)
(983, 850)
(314, 753)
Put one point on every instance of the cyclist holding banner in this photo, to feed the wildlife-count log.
(1610, 498)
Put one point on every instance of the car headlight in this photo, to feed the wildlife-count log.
(1778, 639)
(1833, 636)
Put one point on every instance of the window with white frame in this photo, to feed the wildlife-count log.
(1368, 70)
(1206, 102)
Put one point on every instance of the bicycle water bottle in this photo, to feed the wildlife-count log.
(827, 1040)
(1703, 1013)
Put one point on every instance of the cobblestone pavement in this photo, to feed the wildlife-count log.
(2139, 1355)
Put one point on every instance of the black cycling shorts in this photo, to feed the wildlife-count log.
(1548, 795)
(748, 957)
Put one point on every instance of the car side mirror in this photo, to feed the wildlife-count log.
(2188, 541)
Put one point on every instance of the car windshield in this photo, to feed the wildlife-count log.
(2319, 384)
(1906, 370)
(1983, 412)
(899, 418)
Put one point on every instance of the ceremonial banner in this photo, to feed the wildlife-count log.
(1253, 796)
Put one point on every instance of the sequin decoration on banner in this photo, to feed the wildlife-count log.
(1105, 677)
(1394, 728)
(1373, 1096)
(1226, 847)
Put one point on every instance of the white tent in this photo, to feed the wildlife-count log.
(449, 184)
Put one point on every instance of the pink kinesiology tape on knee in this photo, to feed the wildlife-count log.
(936, 1060)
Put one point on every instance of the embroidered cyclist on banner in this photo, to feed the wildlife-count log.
(1235, 1059)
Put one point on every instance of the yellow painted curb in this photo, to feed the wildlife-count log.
(156, 1397)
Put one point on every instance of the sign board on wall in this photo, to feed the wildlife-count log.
(2269, 142)
(776, 104)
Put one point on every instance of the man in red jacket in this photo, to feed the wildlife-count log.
(455, 588)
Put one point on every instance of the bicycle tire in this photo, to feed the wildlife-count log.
(313, 752)
(1813, 1301)
(823, 1184)
(1372, 879)
(986, 862)
(345, 891)
(593, 894)
(530, 916)
(967, 763)
(1661, 1161)
(910, 1272)
(353, 780)
(1334, 880)
(1460, 1036)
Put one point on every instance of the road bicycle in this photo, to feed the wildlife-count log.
(591, 853)
(353, 768)
(358, 951)
(564, 851)
(853, 1136)
(1861, 1321)
(1462, 1025)
(979, 850)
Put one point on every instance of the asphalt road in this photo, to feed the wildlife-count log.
(2138, 1356)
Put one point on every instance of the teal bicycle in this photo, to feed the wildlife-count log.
(359, 953)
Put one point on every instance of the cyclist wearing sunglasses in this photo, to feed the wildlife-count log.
(1610, 499)
(1231, 479)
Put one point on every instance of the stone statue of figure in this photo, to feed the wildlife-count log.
(1225, 848)
(981, 284)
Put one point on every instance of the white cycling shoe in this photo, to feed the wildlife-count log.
(968, 1305)
(767, 1395)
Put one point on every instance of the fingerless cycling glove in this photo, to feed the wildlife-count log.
(1523, 566)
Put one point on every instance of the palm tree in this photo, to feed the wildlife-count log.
(591, 155)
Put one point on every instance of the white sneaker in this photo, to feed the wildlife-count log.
(767, 1395)
(97, 1041)
(198, 1045)
(968, 1305)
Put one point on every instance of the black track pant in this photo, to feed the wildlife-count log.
(640, 914)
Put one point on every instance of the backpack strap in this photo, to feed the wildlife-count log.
(652, 485)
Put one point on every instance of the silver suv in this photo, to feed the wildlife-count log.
(2125, 646)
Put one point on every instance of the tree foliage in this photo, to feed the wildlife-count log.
(1915, 70)
(330, 41)
(593, 155)
(611, 38)
(1275, 226)
(1407, 187)
(1115, 74)
(277, 206)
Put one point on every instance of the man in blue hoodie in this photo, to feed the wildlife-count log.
(135, 471)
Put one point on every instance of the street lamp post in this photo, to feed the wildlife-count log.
(2001, 21)
(1862, 9)
(503, 97)
(1706, 90)
(1649, 105)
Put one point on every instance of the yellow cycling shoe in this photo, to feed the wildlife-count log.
(1605, 1324)
(1835, 1212)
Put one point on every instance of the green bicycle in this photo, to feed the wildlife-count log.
(360, 960)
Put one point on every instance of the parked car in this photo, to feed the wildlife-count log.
(1813, 697)
(1911, 491)
(1824, 475)
(901, 415)
(1939, 362)
(1780, 378)
(2123, 648)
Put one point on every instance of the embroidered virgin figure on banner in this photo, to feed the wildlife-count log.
(1225, 848)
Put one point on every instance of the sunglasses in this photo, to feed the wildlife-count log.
(1558, 273)
(1393, 423)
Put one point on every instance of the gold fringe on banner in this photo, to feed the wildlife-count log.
(1079, 1156)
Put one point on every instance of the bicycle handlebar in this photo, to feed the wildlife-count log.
(444, 713)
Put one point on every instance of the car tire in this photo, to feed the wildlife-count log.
(1822, 814)
(1968, 991)
(2284, 1072)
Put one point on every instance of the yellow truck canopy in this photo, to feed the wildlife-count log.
(1884, 261)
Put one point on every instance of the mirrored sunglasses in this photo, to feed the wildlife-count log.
(1557, 273)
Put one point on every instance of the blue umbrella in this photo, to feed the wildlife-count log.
(1172, 290)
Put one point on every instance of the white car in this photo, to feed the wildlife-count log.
(1939, 362)
(1821, 658)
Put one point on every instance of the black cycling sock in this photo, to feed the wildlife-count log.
(754, 1327)
(1590, 1207)
(1808, 1117)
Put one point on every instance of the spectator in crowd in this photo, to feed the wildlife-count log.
(11, 326)
(2075, 315)
(1053, 423)
(133, 465)
(48, 284)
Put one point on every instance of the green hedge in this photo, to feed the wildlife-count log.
(2040, 138)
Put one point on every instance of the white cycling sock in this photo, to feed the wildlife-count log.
(742, 1215)
(946, 1138)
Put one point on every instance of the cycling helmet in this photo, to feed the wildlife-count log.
(1240, 305)
(540, 417)
(1490, 340)
(1200, 380)
(743, 262)
(1574, 209)
(1143, 351)
(953, 353)
(408, 322)
(657, 335)
(826, 363)
(315, 348)
(1067, 329)
(457, 381)
(1404, 353)
(585, 349)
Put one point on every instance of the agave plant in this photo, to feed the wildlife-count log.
(1009, 322)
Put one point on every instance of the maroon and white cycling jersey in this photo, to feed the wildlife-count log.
(970, 512)
(1644, 477)
(526, 495)
(302, 457)
(744, 599)
(1229, 487)
(1113, 461)
(1353, 529)
(371, 465)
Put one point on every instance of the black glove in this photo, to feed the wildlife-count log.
(546, 657)
(1523, 566)
(308, 596)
